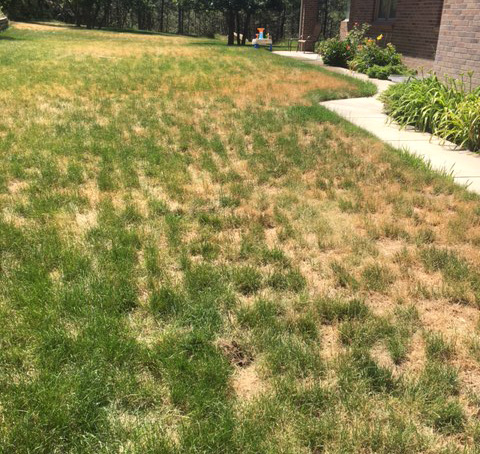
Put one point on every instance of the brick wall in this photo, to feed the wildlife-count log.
(459, 43)
(415, 30)
(308, 20)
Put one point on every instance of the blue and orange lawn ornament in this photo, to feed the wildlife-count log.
(260, 39)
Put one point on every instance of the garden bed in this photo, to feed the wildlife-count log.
(373, 57)
(450, 110)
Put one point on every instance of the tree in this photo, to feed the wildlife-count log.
(198, 17)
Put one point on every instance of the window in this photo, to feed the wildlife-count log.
(387, 9)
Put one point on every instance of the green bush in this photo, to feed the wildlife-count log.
(382, 72)
(450, 110)
(338, 53)
(370, 54)
(335, 52)
(362, 54)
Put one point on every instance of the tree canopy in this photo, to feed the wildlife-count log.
(236, 18)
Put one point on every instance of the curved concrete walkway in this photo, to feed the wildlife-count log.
(368, 114)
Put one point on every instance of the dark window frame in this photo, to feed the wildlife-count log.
(389, 15)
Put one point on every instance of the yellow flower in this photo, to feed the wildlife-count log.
(379, 37)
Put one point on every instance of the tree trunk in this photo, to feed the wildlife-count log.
(106, 16)
(230, 26)
(237, 22)
(162, 9)
(180, 21)
(325, 19)
(281, 31)
(140, 17)
(246, 26)
(78, 14)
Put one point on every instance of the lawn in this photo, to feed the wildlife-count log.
(196, 257)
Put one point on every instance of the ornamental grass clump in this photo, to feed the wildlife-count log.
(450, 110)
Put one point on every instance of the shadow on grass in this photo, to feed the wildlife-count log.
(213, 42)
(216, 42)
(141, 32)
(52, 24)
(67, 26)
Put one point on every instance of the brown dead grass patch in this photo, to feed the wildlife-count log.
(331, 347)
(453, 320)
(247, 383)
(415, 361)
(41, 26)
(382, 356)
(283, 87)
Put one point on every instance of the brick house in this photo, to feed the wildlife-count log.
(443, 35)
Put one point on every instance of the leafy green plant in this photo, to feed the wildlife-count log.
(382, 72)
(376, 61)
(363, 54)
(335, 52)
(448, 109)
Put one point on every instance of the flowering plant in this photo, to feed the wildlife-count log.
(363, 54)
(377, 61)
(338, 53)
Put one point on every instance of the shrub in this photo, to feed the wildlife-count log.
(448, 109)
(362, 54)
(335, 52)
(382, 72)
(370, 54)
(338, 53)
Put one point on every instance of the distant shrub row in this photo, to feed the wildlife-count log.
(450, 110)
(362, 54)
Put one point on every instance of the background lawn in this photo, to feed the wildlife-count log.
(195, 257)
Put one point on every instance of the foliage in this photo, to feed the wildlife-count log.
(370, 54)
(377, 61)
(191, 17)
(335, 52)
(363, 54)
(448, 109)
(382, 72)
(188, 17)
(356, 35)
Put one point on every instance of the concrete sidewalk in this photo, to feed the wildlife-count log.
(368, 114)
